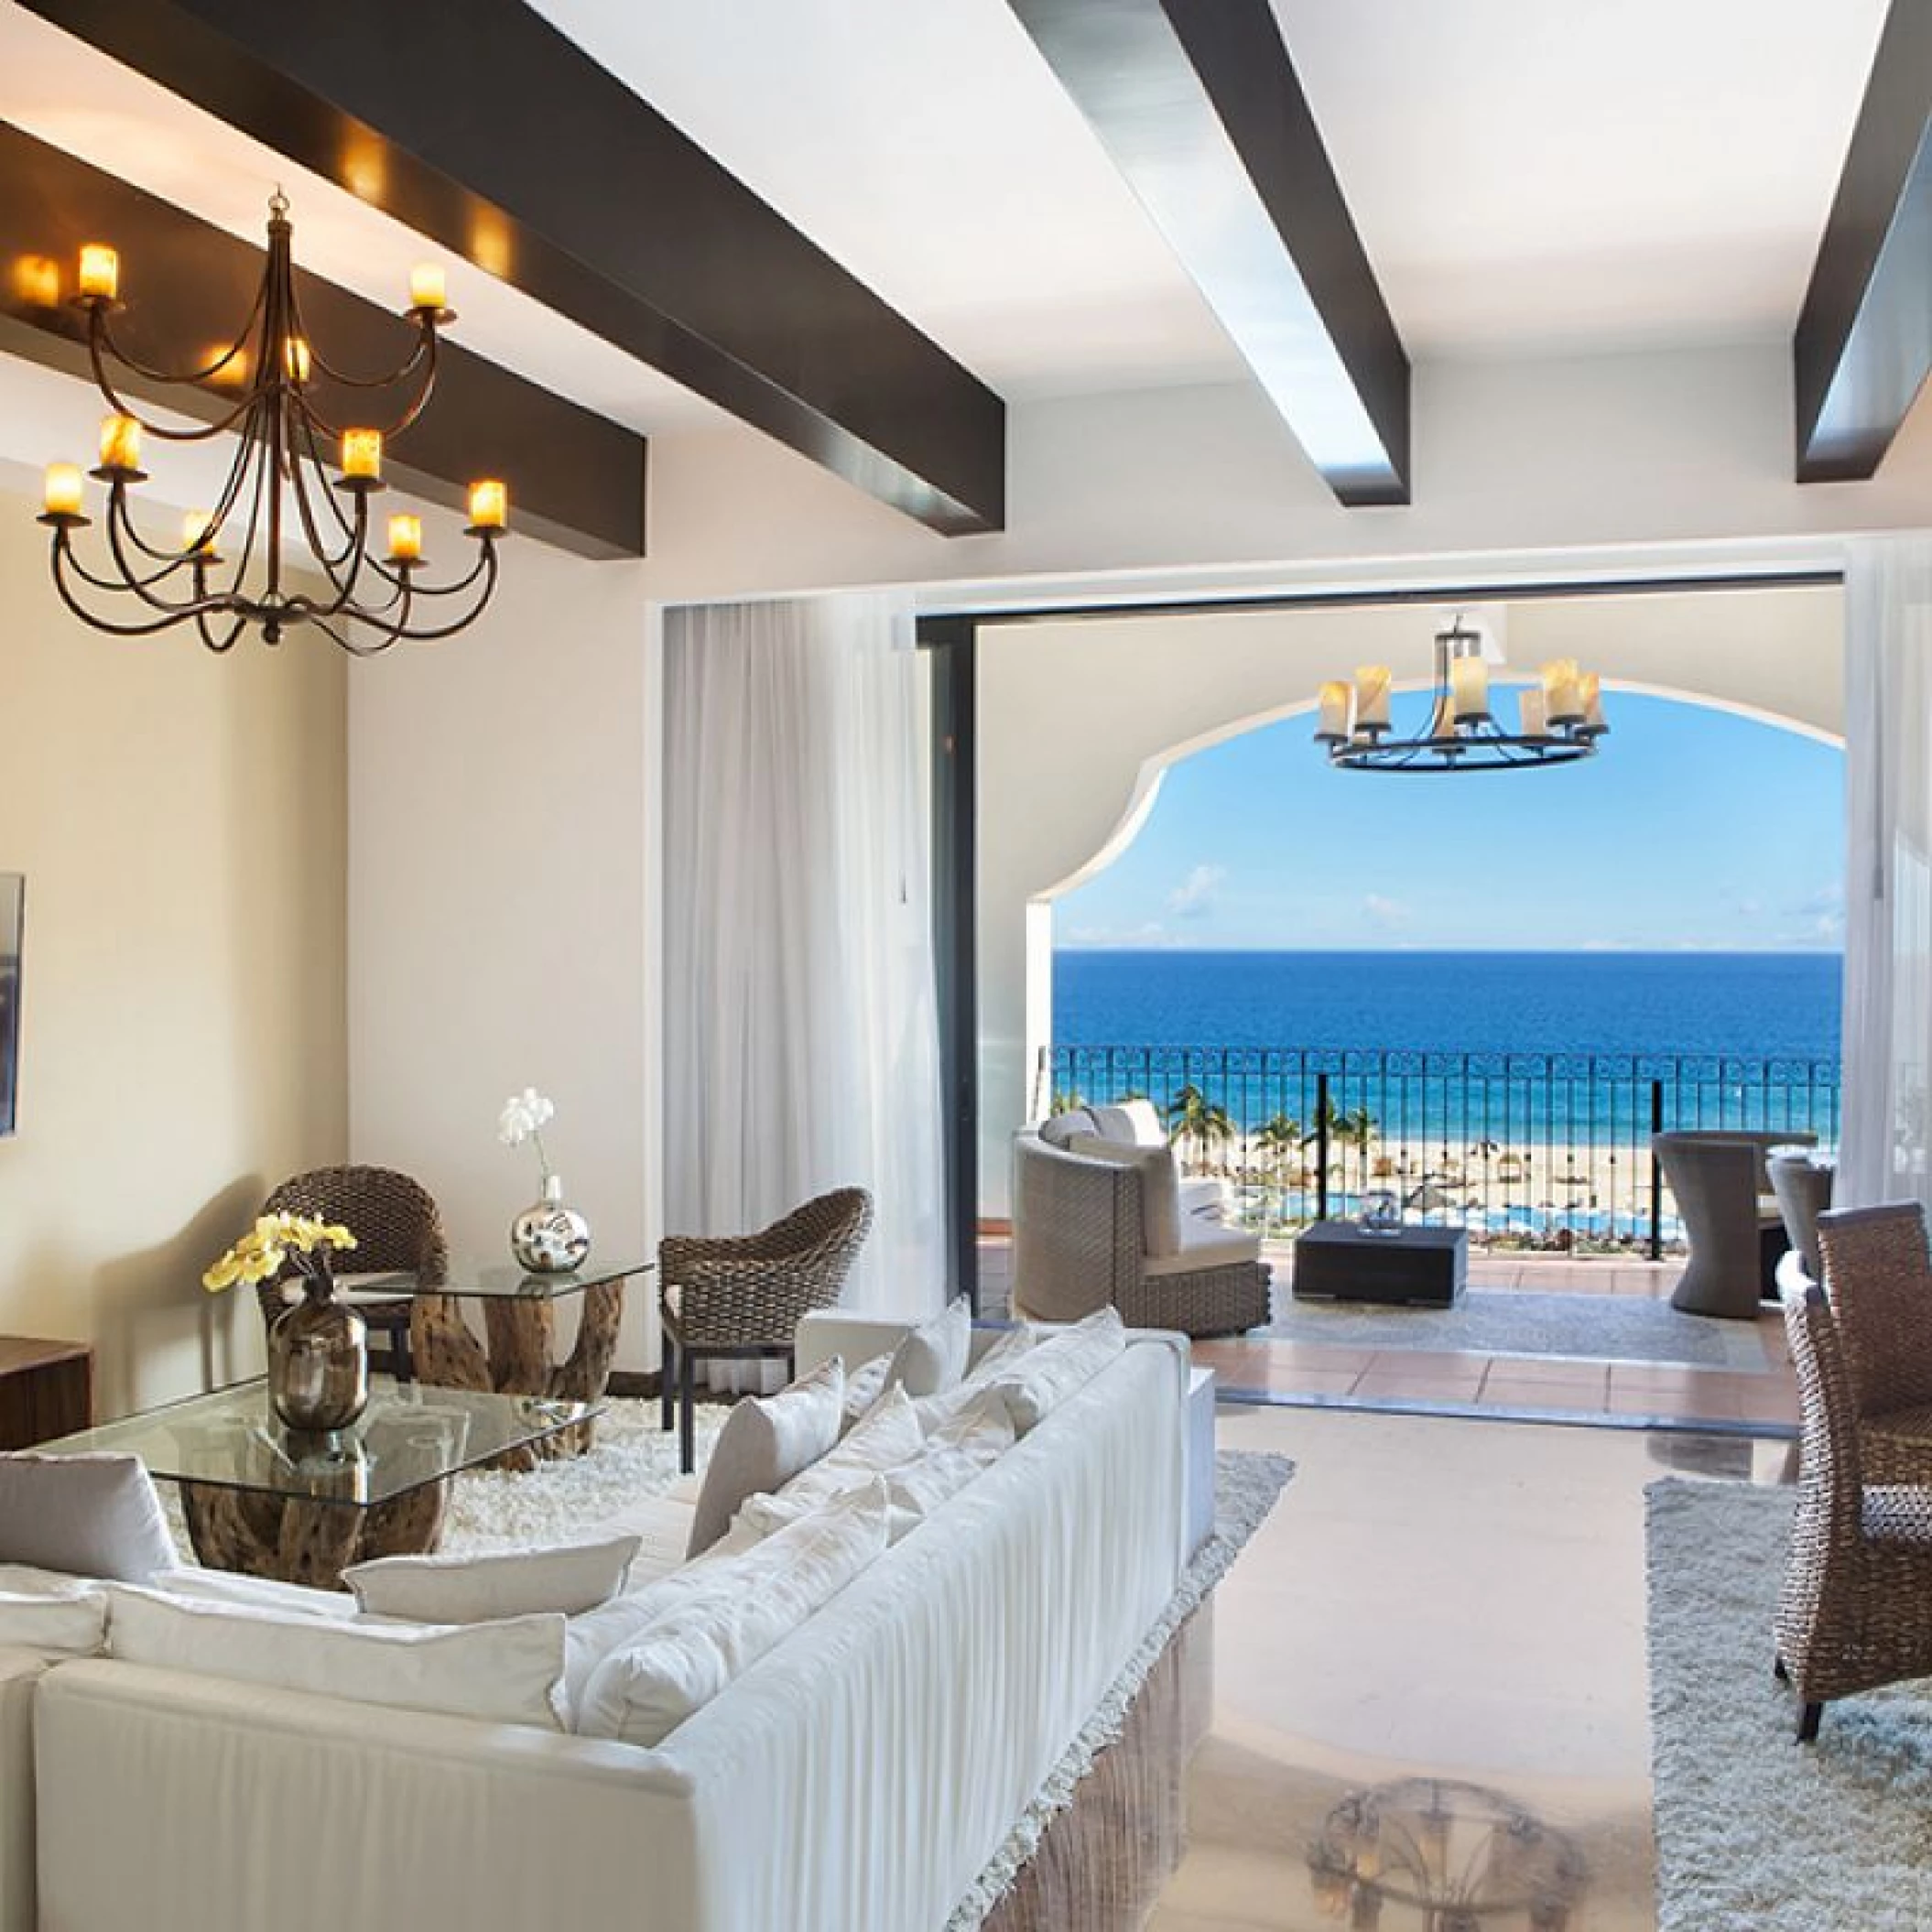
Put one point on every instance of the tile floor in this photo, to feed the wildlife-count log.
(1608, 1394)
(1430, 1598)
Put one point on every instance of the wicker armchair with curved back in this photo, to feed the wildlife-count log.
(740, 1297)
(1856, 1607)
(398, 1230)
(1878, 1279)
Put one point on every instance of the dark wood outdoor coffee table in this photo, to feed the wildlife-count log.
(1414, 1266)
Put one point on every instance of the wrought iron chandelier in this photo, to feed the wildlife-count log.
(279, 486)
(1560, 716)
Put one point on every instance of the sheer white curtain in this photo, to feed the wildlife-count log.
(801, 1041)
(1888, 873)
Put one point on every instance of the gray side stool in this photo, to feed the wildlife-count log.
(1802, 1183)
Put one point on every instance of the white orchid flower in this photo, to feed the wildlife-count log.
(524, 1117)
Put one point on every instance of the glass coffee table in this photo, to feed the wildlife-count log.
(263, 1500)
(517, 1351)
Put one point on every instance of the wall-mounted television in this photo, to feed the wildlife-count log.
(12, 896)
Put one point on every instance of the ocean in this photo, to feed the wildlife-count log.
(1751, 1005)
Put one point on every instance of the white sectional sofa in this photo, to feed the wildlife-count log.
(856, 1778)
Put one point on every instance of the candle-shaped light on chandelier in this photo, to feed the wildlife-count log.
(363, 454)
(1590, 693)
(198, 537)
(1529, 701)
(1563, 700)
(1371, 697)
(100, 272)
(427, 286)
(1468, 689)
(296, 359)
(406, 540)
(121, 444)
(36, 281)
(489, 504)
(61, 495)
(1336, 703)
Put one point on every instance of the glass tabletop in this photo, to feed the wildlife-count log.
(408, 1437)
(499, 1280)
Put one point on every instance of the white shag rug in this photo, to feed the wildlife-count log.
(491, 1509)
(1755, 1832)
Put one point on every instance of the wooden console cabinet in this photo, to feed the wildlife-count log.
(47, 1389)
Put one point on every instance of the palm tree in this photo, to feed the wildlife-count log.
(1277, 1141)
(1194, 1121)
(1356, 1129)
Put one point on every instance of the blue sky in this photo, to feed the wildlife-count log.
(1692, 829)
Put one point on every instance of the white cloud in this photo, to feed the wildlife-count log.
(1385, 913)
(1193, 898)
(1119, 939)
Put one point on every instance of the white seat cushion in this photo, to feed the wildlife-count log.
(1135, 1122)
(1204, 1244)
(1061, 1128)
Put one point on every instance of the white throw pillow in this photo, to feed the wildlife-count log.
(44, 1609)
(886, 1438)
(932, 1357)
(1057, 1129)
(1160, 1187)
(566, 1578)
(935, 1412)
(643, 1692)
(91, 1515)
(1065, 1362)
(765, 1441)
(863, 1387)
(506, 1673)
(972, 1442)
(1133, 1121)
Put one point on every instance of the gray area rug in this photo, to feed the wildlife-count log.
(1518, 1321)
(1754, 1833)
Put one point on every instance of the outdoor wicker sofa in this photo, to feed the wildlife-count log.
(1080, 1226)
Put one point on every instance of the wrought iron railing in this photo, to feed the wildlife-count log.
(1526, 1150)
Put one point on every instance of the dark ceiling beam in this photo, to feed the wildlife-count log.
(1199, 104)
(482, 126)
(1863, 343)
(576, 479)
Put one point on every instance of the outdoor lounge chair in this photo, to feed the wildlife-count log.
(1089, 1228)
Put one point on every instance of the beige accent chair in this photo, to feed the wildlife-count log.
(1722, 1189)
(1098, 1221)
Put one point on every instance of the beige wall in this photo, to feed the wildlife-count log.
(181, 822)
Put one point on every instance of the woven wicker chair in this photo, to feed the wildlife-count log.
(1078, 1244)
(398, 1230)
(1878, 1277)
(740, 1297)
(1856, 1607)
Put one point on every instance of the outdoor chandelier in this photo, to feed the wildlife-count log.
(279, 484)
(1561, 716)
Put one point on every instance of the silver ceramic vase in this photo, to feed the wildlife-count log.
(549, 1238)
(318, 1361)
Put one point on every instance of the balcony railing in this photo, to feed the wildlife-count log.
(1532, 1150)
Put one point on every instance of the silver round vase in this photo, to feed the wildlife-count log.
(318, 1361)
(549, 1238)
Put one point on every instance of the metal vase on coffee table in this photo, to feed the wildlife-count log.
(549, 1238)
(318, 1359)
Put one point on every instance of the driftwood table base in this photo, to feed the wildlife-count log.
(518, 1354)
(294, 1540)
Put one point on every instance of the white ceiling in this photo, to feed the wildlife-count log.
(1528, 176)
